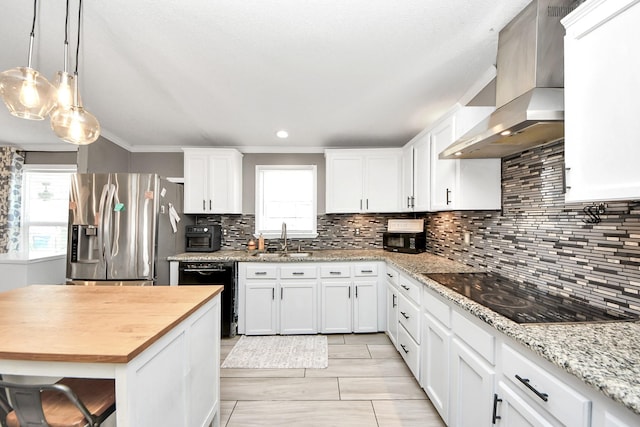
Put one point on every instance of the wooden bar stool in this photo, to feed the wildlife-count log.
(71, 402)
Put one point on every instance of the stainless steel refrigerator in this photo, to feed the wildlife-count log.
(122, 228)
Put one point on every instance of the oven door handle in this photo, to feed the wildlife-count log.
(203, 270)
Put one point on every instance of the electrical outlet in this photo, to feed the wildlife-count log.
(224, 232)
(357, 232)
(467, 238)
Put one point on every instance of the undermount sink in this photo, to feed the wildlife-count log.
(297, 254)
(282, 254)
(267, 255)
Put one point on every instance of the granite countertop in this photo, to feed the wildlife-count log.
(605, 356)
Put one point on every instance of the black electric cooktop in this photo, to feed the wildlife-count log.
(521, 302)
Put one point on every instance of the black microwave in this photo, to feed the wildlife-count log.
(411, 243)
(203, 238)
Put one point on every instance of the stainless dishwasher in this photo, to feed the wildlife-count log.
(193, 273)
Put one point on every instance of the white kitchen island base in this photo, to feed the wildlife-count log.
(172, 382)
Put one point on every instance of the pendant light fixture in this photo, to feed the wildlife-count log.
(64, 81)
(75, 124)
(26, 93)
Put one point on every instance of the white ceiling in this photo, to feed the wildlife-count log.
(160, 75)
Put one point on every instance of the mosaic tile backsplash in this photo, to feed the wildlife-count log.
(536, 238)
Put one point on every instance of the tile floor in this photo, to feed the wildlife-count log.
(366, 384)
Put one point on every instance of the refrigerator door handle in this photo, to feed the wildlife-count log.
(106, 221)
(101, 222)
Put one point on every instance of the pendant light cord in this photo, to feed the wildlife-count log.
(32, 35)
(78, 44)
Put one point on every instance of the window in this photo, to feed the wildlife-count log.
(45, 208)
(286, 194)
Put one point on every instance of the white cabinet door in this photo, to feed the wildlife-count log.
(443, 172)
(382, 182)
(212, 181)
(472, 387)
(298, 305)
(345, 175)
(225, 183)
(601, 98)
(336, 307)
(434, 370)
(196, 192)
(392, 314)
(422, 174)
(261, 308)
(365, 308)
(407, 177)
(363, 180)
(510, 410)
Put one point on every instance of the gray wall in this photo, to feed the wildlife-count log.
(249, 162)
(169, 165)
(51, 157)
(102, 156)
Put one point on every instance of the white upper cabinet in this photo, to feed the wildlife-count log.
(212, 181)
(602, 86)
(416, 177)
(455, 184)
(363, 180)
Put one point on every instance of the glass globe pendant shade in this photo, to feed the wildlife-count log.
(27, 93)
(75, 125)
(65, 90)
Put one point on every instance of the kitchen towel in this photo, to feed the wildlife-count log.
(279, 351)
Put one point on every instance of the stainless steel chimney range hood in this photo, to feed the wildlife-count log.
(529, 87)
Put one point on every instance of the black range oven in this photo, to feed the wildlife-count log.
(215, 273)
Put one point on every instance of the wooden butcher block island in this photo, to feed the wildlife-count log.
(161, 344)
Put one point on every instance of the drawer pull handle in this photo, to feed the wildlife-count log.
(405, 287)
(260, 273)
(525, 381)
(495, 415)
(404, 315)
(335, 272)
(366, 271)
(298, 273)
(394, 300)
(390, 275)
(404, 348)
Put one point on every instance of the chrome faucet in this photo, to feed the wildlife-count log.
(283, 236)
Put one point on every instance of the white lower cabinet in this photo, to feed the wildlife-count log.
(278, 300)
(434, 371)
(307, 298)
(510, 410)
(349, 300)
(409, 350)
(261, 308)
(472, 387)
(392, 313)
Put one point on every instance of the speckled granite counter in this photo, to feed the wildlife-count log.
(605, 356)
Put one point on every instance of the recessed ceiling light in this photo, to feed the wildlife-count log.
(458, 153)
(505, 133)
(282, 134)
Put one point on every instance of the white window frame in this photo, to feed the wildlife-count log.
(291, 233)
(24, 224)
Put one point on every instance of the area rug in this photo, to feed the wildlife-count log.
(279, 351)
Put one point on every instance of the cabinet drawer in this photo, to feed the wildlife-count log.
(337, 270)
(369, 269)
(410, 351)
(298, 272)
(476, 337)
(568, 406)
(392, 275)
(261, 271)
(410, 288)
(436, 308)
(409, 317)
